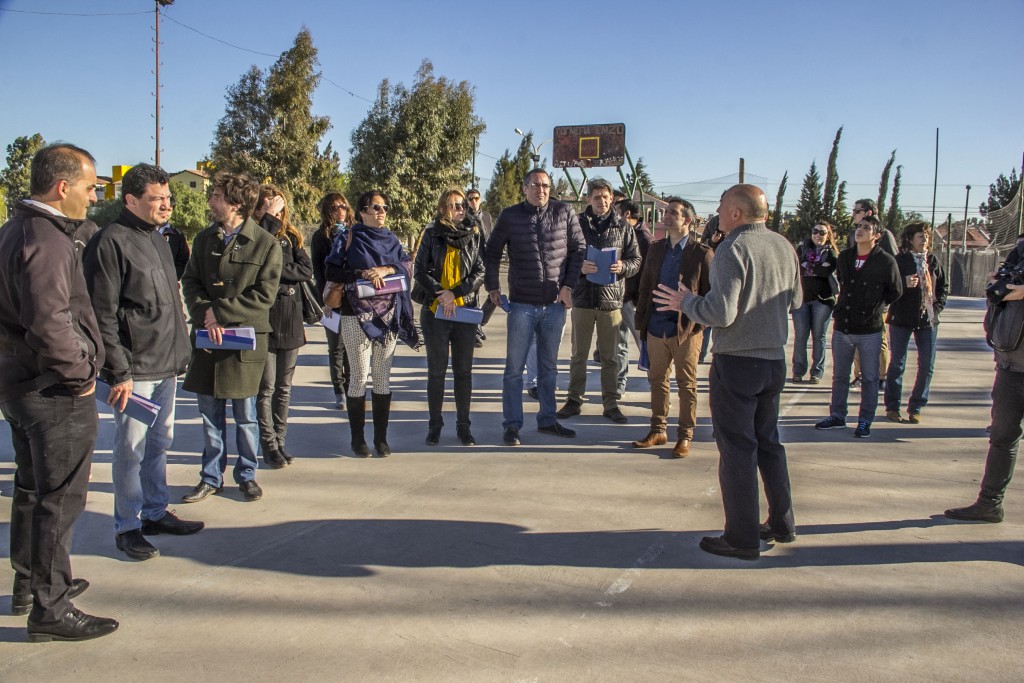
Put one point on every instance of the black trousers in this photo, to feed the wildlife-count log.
(745, 409)
(53, 435)
(1007, 417)
(440, 335)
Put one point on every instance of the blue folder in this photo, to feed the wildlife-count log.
(603, 258)
(138, 407)
(233, 339)
(462, 314)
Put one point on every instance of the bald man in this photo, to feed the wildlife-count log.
(755, 283)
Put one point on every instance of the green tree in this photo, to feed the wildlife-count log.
(883, 185)
(414, 144)
(269, 131)
(894, 218)
(642, 179)
(1000, 193)
(509, 171)
(841, 219)
(828, 197)
(190, 211)
(15, 178)
(777, 215)
(105, 211)
(808, 207)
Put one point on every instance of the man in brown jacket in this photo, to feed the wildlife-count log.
(50, 352)
(672, 338)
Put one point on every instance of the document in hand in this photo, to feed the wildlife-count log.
(138, 407)
(233, 339)
(462, 314)
(331, 320)
(392, 285)
(603, 258)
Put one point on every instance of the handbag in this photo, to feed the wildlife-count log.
(312, 311)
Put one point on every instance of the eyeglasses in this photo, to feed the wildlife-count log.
(473, 198)
(339, 207)
(538, 186)
(815, 231)
(859, 210)
(458, 206)
(383, 208)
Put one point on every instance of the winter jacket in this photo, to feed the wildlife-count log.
(545, 251)
(319, 248)
(286, 323)
(239, 280)
(908, 310)
(130, 272)
(643, 242)
(48, 331)
(864, 293)
(179, 248)
(695, 271)
(816, 287)
(612, 231)
(430, 259)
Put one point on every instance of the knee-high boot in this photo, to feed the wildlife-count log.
(356, 422)
(381, 416)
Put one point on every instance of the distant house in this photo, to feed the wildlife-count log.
(196, 179)
(977, 237)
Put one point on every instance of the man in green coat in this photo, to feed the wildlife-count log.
(231, 280)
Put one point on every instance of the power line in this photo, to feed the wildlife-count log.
(74, 14)
(206, 35)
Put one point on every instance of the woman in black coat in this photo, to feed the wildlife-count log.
(335, 216)
(817, 267)
(449, 270)
(915, 314)
(287, 334)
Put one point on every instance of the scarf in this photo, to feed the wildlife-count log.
(927, 285)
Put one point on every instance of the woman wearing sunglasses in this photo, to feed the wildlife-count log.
(372, 325)
(817, 265)
(287, 334)
(449, 270)
(335, 215)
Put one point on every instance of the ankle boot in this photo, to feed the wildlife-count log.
(272, 456)
(356, 421)
(381, 416)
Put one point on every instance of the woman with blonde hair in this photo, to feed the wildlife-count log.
(449, 271)
(287, 333)
(817, 267)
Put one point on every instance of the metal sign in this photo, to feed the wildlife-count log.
(590, 146)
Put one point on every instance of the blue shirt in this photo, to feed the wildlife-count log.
(663, 324)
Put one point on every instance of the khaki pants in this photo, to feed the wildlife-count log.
(662, 354)
(883, 358)
(584, 322)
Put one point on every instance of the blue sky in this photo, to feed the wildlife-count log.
(698, 84)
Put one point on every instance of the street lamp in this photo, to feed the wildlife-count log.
(536, 148)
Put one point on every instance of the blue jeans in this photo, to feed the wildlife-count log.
(215, 436)
(526, 323)
(626, 330)
(843, 346)
(139, 467)
(899, 341)
(810, 320)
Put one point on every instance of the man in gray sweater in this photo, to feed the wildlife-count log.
(755, 283)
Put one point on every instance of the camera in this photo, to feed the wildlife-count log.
(1006, 275)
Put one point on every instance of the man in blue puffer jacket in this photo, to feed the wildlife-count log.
(545, 254)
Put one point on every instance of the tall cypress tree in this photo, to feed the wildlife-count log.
(828, 199)
(883, 185)
(894, 218)
(509, 171)
(808, 208)
(777, 217)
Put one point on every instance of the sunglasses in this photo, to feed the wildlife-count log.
(458, 206)
(383, 208)
(473, 198)
(815, 231)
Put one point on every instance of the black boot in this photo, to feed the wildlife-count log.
(272, 456)
(381, 416)
(356, 422)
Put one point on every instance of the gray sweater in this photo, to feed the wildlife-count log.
(755, 283)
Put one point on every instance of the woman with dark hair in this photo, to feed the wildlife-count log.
(371, 325)
(449, 270)
(916, 314)
(817, 264)
(287, 333)
(335, 215)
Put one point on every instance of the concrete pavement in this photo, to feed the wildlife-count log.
(561, 559)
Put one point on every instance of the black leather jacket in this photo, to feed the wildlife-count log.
(430, 260)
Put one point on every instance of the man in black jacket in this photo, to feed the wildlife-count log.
(545, 253)
(50, 353)
(598, 306)
(134, 288)
(177, 242)
(869, 280)
(630, 212)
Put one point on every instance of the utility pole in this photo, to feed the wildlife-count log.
(743, 165)
(156, 15)
(935, 182)
(967, 203)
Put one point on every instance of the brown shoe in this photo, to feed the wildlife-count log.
(682, 448)
(654, 438)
